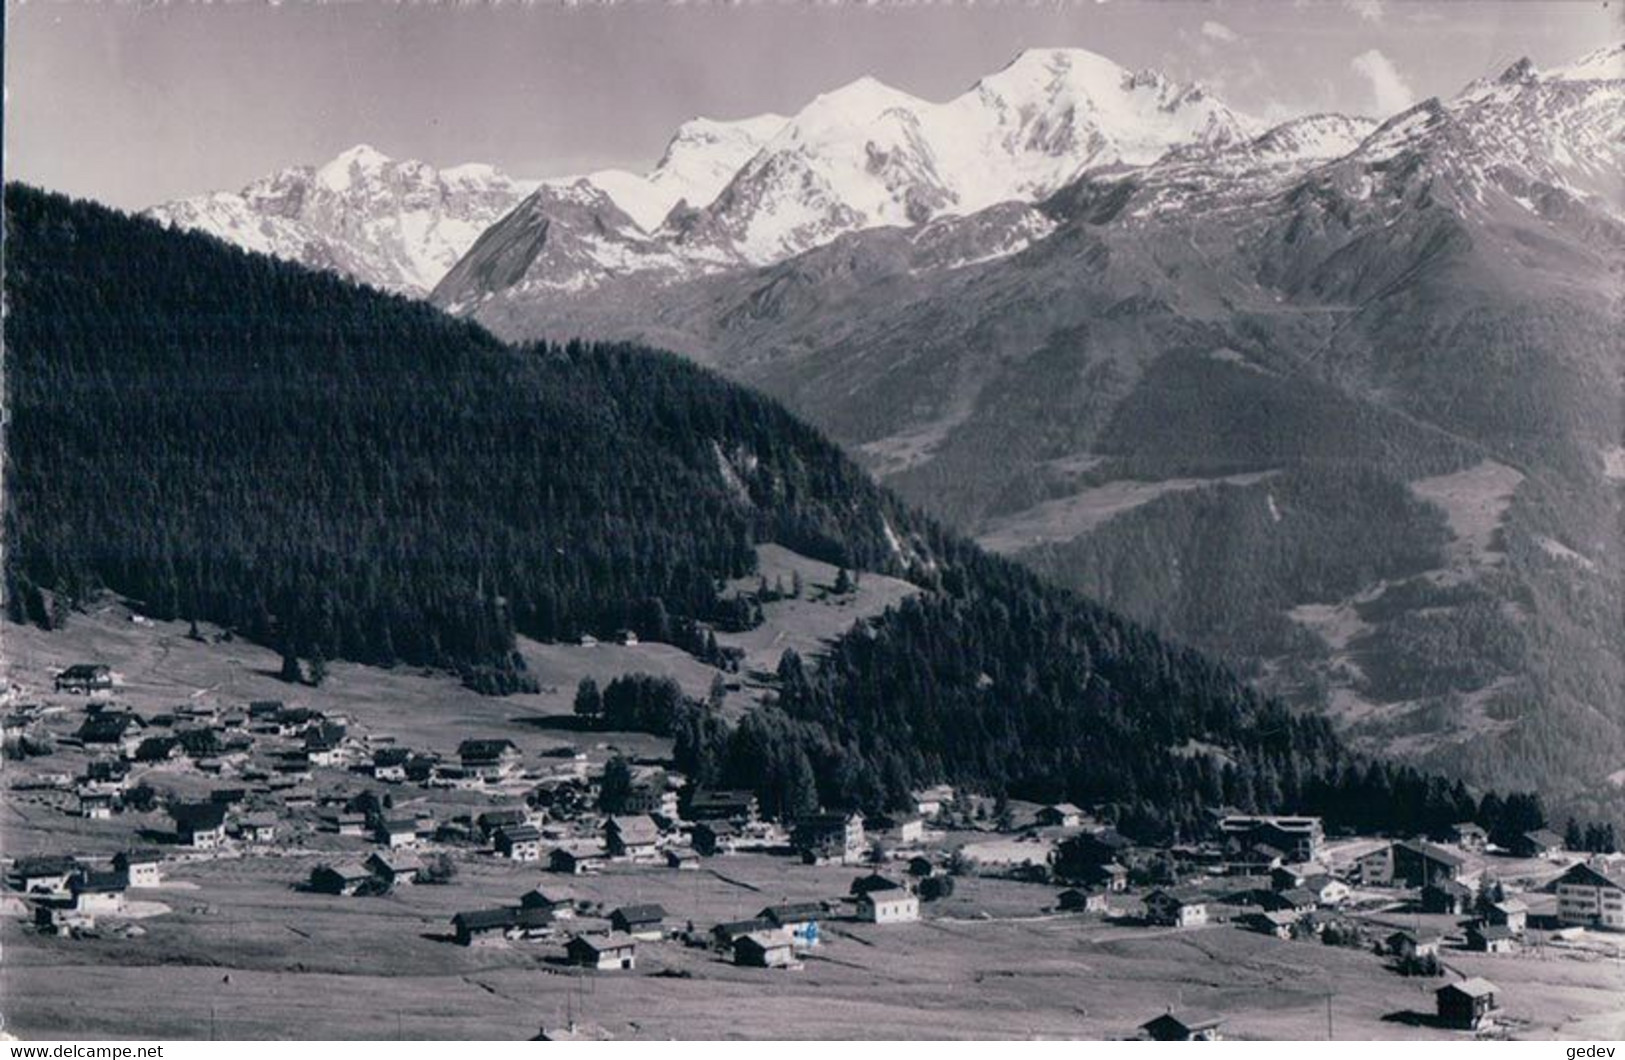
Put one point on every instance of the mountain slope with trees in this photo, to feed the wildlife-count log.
(341, 473)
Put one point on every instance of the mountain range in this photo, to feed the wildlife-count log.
(1337, 400)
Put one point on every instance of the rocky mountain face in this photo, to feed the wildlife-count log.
(395, 224)
(1341, 403)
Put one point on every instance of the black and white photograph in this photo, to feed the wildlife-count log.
(646, 521)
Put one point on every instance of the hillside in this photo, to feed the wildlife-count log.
(343, 474)
(1340, 404)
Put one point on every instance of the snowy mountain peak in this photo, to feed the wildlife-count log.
(396, 224)
(358, 164)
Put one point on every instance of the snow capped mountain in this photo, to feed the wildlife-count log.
(698, 162)
(867, 154)
(738, 194)
(395, 224)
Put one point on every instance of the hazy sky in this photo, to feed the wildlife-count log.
(135, 103)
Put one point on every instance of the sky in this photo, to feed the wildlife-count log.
(138, 102)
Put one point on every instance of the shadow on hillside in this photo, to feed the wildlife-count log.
(1412, 1018)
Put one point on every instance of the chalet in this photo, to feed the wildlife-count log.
(98, 892)
(107, 774)
(712, 838)
(764, 950)
(833, 837)
(576, 860)
(258, 828)
(353, 824)
(43, 875)
(723, 936)
(298, 798)
(932, 801)
(684, 860)
(639, 921)
(519, 843)
(653, 798)
(1410, 946)
(604, 952)
(1491, 938)
(889, 907)
(395, 867)
(560, 903)
(96, 805)
(1511, 914)
(398, 832)
(1297, 901)
(1469, 836)
(1276, 923)
(872, 883)
(344, 879)
(1538, 844)
(200, 825)
(141, 868)
(1060, 815)
(1592, 895)
(1076, 901)
(117, 729)
(799, 920)
(488, 759)
(1176, 908)
(1328, 890)
(293, 721)
(1447, 896)
(634, 838)
(628, 637)
(324, 746)
(1110, 877)
(1298, 838)
(1468, 1005)
(85, 679)
(532, 924)
(492, 821)
(723, 805)
(1375, 868)
(389, 764)
(1420, 863)
(482, 927)
(1183, 1027)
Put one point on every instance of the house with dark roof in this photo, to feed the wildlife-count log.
(768, 949)
(1469, 836)
(98, 892)
(85, 678)
(739, 807)
(1409, 945)
(348, 878)
(1469, 1005)
(645, 921)
(488, 759)
(1540, 843)
(799, 920)
(519, 843)
(559, 903)
(723, 936)
(713, 838)
(200, 825)
(482, 927)
(603, 952)
(1184, 1027)
(1060, 815)
(1419, 863)
(576, 859)
(830, 837)
(1176, 907)
(46, 874)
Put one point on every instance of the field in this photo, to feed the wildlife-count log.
(242, 953)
